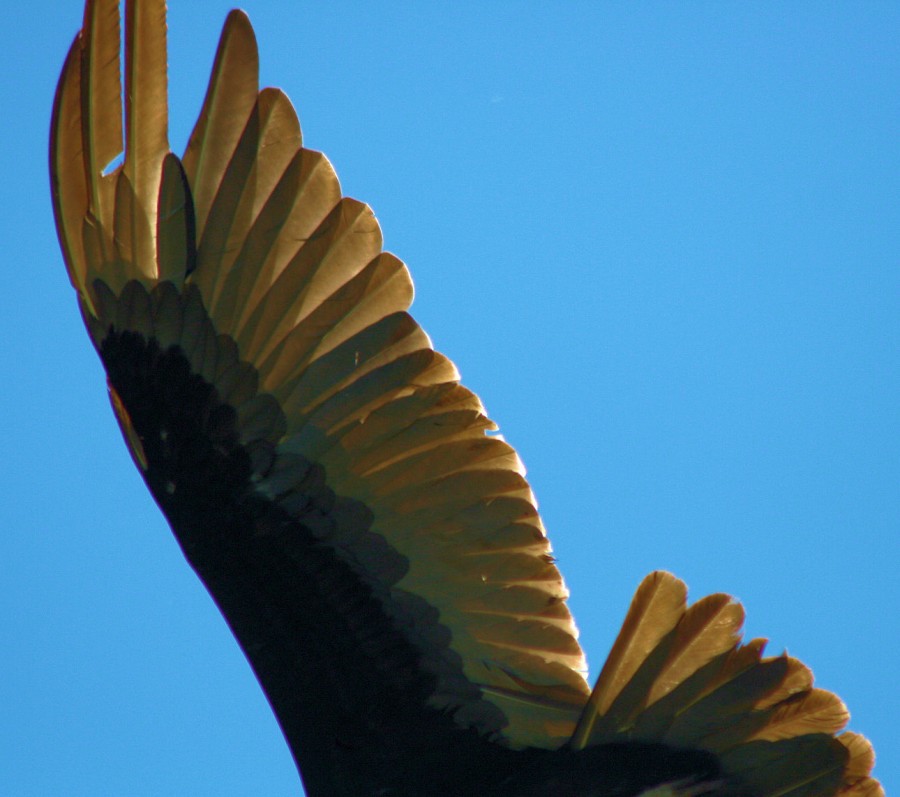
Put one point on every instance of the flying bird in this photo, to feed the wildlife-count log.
(373, 546)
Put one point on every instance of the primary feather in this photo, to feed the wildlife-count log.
(378, 556)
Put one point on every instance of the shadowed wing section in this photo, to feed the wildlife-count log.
(275, 292)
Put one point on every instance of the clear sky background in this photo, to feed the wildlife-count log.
(661, 242)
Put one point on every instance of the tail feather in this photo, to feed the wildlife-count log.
(658, 605)
(718, 712)
(815, 711)
(799, 678)
(677, 675)
(857, 782)
(805, 766)
(709, 627)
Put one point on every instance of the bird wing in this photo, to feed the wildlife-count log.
(256, 339)
(376, 550)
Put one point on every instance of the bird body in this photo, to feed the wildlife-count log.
(375, 549)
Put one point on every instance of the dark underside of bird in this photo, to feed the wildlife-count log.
(375, 550)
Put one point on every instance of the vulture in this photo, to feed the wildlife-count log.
(374, 548)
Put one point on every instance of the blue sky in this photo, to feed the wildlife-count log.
(660, 241)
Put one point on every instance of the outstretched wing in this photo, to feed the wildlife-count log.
(336, 488)
(376, 551)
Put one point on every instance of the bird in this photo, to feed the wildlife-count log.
(370, 540)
